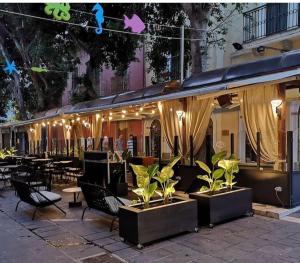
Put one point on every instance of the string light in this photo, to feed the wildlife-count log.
(124, 111)
(110, 114)
(153, 111)
(110, 118)
(123, 116)
(78, 119)
(44, 124)
(141, 108)
(136, 114)
(48, 122)
(102, 119)
(63, 121)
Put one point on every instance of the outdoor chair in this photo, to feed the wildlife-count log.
(36, 198)
(5, 176)
(101, 199)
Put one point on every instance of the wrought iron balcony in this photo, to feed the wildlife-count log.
(270, 19)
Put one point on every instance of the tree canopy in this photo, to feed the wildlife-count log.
(33, 42)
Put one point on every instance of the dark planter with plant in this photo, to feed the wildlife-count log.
(221, 201)
(148, 221)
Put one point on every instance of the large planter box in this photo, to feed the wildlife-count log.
(213, 209)
(141, 226)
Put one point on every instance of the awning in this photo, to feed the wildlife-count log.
(279, 69)
(235, 73)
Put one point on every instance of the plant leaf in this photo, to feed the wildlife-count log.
(152, 170)
(217, 174)
(217, 157)
(174, 161)
(166, 173)
(205, 178)
(203, 189)
(152, 188)
(204, 167)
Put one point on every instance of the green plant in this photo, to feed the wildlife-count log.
(145, 189)
(230, 167)
(3, 154)
(11, 151)
(213, 177)
(165, 181)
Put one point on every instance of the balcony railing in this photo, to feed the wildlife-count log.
(270, 19)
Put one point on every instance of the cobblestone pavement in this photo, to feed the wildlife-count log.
(53, 237)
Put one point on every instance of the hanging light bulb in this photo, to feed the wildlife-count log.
(43, 124)
(63, 120)
(136, 114)
(110, 118)
(123, 116)
(153, 111)
(110, 114)
(78, 119)
(48, 122)
(102, 119)
(72, 121)
(124, 111)
(141, 108)
(97, 116)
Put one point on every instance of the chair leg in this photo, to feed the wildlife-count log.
(33, 216)
(84, 212)
(112, 224)
(59, 209)
(18, 205)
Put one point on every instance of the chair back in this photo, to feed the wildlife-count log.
(23, 191)
(100, 198)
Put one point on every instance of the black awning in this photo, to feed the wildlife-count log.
(247, 70)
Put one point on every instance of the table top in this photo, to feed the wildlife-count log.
(63, 162)
(30, 157)
(41, 160)
(10, 166)
(72, 190)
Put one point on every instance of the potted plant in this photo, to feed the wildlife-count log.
(219, 200)
(153, 219)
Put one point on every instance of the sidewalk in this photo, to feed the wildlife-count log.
(52, 237)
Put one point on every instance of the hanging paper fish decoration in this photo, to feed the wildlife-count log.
(39, 69)
(135, 23)
(59, 11)
(99, 17)
(10, 67)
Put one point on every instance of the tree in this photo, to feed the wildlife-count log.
(207, 22)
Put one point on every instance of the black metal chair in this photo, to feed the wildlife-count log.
(36, 198)
(5, 176)
(101, 199)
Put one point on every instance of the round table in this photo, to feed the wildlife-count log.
(76, 191)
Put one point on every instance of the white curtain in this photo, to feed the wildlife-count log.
(259, 116)
(169, 122)
(197, 120)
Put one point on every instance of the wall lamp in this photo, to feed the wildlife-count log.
(180, 114)
(276, 103)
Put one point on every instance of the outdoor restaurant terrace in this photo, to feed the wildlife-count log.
(249, 112)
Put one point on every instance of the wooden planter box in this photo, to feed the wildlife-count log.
(213, 209)
(141, 226)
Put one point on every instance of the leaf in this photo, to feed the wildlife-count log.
(217, 174)
(203, 189)
(204, 167)
(142, 176)
(166, 173)
(205, 178)
(174, 161)
(152, 188)
(152, 170)
(138, 191)
(160, 180)
(217, 157)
